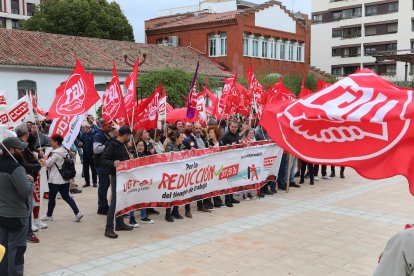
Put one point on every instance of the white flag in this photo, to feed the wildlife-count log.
(68, 127)
(20, 112)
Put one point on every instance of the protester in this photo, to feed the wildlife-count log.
(176, 138)
(231, 137)
(57, 184)
(101, 137)
(86, 143)
(114, 152)
(15, 206)
(41, 140)
(154, 141)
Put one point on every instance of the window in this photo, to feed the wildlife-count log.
(370, 30)
(223, 44)
(390, 69)
(212, 46)
(371, 10)
(336, 16)
(15, 24)
(349, 13)
(282, 51)
(2, 22)
(370, 50)
(264, 48)
(15, 6)
(350, 70)
(336, 71)
(393, 7)
(317, 18)
(351, 32)
(391, 47)
(412, 24)
(392, 28)
(411, 68)
(299, 53)
(24, 87)
(290, 52)
(336, 33)
(246, 44)
(336, 52)
(1, 6)
(30, 9)
(255, 46)
(272, 51)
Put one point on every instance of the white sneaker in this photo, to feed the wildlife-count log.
(326, 177)
(46, 218)
(40, 224)
(77, 217)
(316, 178)
(147, 220)
(34, 227)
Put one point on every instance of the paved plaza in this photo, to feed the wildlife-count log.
(336, 227)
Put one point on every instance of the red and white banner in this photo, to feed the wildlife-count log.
(178, 178)
(68, 127)
(75, 96)
(3, 101)
(361, 121)
(131, 85)
(20, 112)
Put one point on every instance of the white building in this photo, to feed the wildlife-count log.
(346, 33)
(11, 11)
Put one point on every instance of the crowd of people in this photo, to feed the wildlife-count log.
(100, 146)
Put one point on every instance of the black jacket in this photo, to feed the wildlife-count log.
(114, 150)
(229, 138)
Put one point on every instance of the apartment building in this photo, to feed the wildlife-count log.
(348, 33)
(267, 36)
(11, 11)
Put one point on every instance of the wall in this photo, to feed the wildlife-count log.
(266, 19)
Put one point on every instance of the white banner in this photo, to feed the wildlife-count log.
(68, 127)
(177, 178)
(20, 112)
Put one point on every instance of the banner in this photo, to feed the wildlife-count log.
(178, 178)
(20, 112)
(68, 127)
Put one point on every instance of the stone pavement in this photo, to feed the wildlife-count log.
(336, 227)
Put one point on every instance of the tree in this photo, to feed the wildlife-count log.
(89, 18)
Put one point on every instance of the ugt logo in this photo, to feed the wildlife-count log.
(347, 121)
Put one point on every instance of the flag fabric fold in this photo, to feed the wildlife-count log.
(113, 106)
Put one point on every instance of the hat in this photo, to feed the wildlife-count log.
(13, 142)
(124, 130)
(21, 130)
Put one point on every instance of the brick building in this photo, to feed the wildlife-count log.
(268, 36)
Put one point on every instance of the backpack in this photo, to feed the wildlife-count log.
(68, 170)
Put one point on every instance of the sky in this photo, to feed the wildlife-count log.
(137, 11)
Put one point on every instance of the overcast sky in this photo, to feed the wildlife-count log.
(139, 11)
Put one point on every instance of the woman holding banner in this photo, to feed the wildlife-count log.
(176, 144)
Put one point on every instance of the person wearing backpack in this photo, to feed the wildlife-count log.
(61, 170)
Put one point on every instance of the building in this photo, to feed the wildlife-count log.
(268, 36)
(11, 11)
(42, 61)
(351, 32)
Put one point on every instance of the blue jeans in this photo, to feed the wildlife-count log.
(144, 214)
(63, 189)
(292, 170)
(111, 212)
(104, 182)
(282, 172)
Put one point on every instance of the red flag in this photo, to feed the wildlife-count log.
(360, 122)
(75, 96)
(131, 86)
(303, 90)
(256, 91)
(201, 105)
(321, 84)
(146, 114)
(192, 96)
(212, 97)
(243, 104)
(35, 107)
(221, 109)
(113, 106)
(280, 92)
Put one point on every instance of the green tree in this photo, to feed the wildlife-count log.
(89, 18)
(176, 82)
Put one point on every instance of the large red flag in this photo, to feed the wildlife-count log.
(146, 114)
(192, 96)
(131, 86)
(113, 106)
(360, 121)
(242, 100)
(221, 109)
(75, 96)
